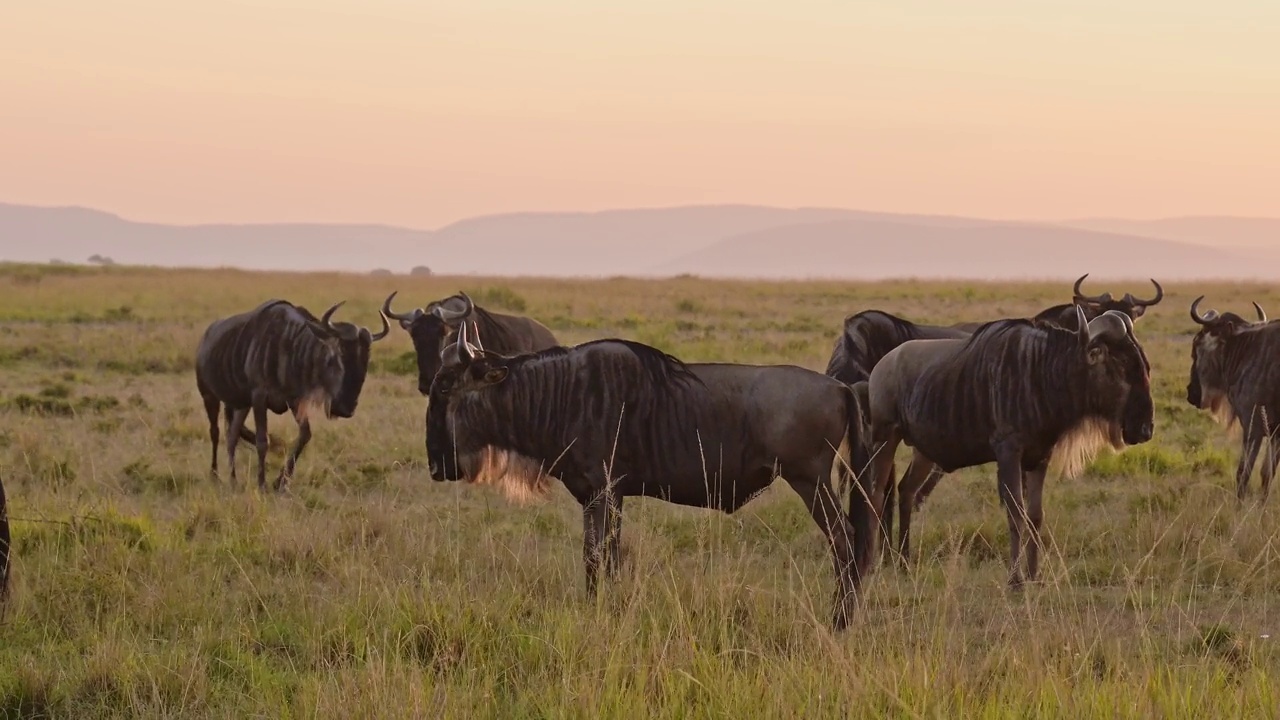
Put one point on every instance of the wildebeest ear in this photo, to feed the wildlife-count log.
(1097, 354)
(495, 375)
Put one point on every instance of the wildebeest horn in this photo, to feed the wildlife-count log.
(405, 317)
(328, 314)
(450, 316)
(1262, 316)
(1111, 322)
(1082, 326)
(479, 344)
(1146, 303)
(464, 347)
(386, 328)
(1202, 319)
(1104, 297)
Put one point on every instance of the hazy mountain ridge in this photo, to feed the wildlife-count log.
(711, 240)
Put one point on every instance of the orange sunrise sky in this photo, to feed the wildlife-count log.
(420, 113)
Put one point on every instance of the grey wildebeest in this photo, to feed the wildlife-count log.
(280, 357)
(436, 325)
(1235, 374)
(612, 418)
(1016, 393)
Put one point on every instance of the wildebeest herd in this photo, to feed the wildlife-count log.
(507, 404)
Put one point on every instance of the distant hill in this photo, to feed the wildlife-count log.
(720, 240)
(877, 249)
(1262, 233)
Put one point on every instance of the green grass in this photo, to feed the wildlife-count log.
(143, 588)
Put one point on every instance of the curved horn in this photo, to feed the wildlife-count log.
(1104, 297)
(479, 343)
(1147, 303)
(1082, 326)
(464, 347)
(1202, 319)
(386, 328)
(1262, 315)
(453, 315)
(405, 317)
(326, 319)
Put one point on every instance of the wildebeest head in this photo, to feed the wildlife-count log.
(462, 366)
(1207, 387)
(1099, 304)
(1118, 370)
(430, 328)
(346, 368)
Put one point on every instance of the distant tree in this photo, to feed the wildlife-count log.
(421, 270)
(97, 259)
(57, 261)
(381, 272)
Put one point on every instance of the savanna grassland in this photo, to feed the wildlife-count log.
(142, 587)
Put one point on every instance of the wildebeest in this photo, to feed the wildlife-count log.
(1064, 315)
(612, 418)
(436, 325)
(869, 335)
(280, 357)
(1016, 393)
(1235, 374)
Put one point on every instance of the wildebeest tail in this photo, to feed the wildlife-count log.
(857, 459)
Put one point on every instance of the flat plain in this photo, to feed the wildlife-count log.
(142, 587)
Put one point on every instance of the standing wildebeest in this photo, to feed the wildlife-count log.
(434, 326)
(612, 418)
(280, 357)
(1064, 315)
(1015, 393)
(869, 335)
(1235, 374)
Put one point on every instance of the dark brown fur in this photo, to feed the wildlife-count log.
(279, 357)
(615, 418)
(1015, 393)
(435, 326)
(1235, 375)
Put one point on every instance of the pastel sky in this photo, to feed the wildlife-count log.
(421, 112)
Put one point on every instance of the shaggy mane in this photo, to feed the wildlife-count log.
(1077, 447)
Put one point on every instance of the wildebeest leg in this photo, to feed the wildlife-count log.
(212, 406)
(1034, 481)
(1009, 475)
(235, 424)
(821, 500)
(886, 513)
(934, 476)
(1269, 464)
(882, 473)
(304, 436)
(260, 426)
(920, 470)
(601, 525)
(1248, 456)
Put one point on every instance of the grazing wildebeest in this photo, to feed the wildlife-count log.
(1235, 374)
(1015, 393)
(280, 357)
(612, 418)
(436, 325)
